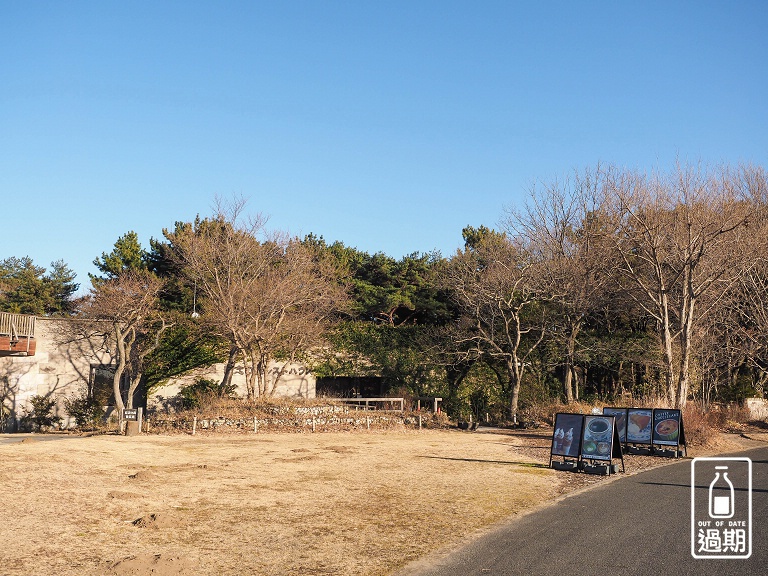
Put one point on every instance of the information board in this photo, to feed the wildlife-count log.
(667, 427)
(639, 425)
(567, 434)
(131, 414)
(598, 437)
(621, 421)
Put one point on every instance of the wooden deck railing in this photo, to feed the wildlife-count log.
(17, 326)
(392, 404)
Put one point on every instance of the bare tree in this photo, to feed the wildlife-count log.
(124, 309)
(271, 297)
(678, 238)
(499, 290)
(561, 224)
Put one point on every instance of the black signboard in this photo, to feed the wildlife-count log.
(639, 425)
(598, 437)
(131, 414)
(621, 421)
(668, 428)
(567, 435)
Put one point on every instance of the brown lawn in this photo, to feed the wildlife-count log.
(266, 504)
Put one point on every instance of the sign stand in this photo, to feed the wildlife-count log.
(566, 441)
(600, 445)
(639, 427)
(668, 430)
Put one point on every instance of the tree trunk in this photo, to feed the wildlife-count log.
(569, 365)
(229, 368)
(119, 369)
(515, 377)
(669, 359)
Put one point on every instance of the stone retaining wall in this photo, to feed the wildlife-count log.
(298, 419)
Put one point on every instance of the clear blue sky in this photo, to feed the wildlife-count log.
(387, 125)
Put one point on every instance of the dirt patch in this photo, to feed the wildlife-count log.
(119, 495)
(142, 476)
(154, 521)
(154, 564)
(341, 449)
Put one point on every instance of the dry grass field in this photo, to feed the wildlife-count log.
(260, 504)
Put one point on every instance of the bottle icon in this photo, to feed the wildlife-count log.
(721, 494)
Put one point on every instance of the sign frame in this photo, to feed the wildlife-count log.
(572, 422)
(637, 438)
(658, 438)
(620, 414)
(600, 438)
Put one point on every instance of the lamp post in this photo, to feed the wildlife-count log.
(194, 302)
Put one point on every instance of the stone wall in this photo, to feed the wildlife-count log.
(758, 408)
(295, 382)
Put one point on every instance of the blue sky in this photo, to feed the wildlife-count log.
(386, 125)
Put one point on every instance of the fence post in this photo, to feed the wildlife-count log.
(194, 425)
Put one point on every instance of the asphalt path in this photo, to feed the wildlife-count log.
(636, 525)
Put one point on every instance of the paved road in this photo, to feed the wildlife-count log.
(639, 525)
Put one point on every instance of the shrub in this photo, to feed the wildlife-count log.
(41, 414)
(87, 412)
(204, 390)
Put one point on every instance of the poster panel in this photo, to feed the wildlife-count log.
(639, 424)
(666, 427)
(598, 437)
(565, 438)
(621, 421)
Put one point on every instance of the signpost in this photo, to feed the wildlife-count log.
(132, 418)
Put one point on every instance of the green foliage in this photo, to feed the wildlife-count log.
(385, 290)
(194, 395)
(41, 414)
(87, 412)
(184, 346)
(27, 289)
(127, 254)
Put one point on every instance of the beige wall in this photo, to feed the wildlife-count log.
(57, 369)
(296, 382)
(62, 370)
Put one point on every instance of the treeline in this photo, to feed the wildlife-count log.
(612, 284)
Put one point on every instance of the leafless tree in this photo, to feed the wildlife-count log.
(270, 296)
(124, 310)
(498, 288)
(561, 223)
(679, 240)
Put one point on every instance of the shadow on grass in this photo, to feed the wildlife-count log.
(479, 461)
